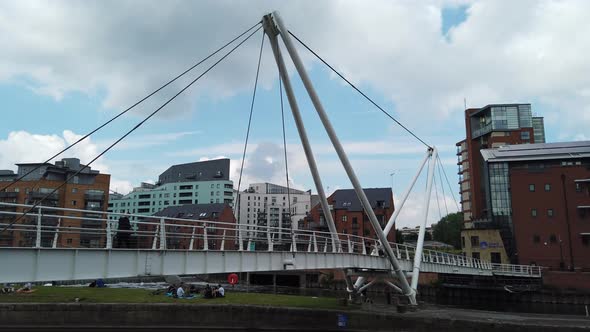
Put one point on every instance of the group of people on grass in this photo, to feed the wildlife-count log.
(9, 288)
(182, 291)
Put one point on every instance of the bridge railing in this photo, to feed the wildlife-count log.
(75, 228)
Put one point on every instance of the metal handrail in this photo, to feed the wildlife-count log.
(166, 229)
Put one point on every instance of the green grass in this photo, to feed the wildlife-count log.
(123, 295)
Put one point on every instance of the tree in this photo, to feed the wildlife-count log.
(448, 229)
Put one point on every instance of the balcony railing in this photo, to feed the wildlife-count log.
(94, 197)
(35, 195)
(8, 194)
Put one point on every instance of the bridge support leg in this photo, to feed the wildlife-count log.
(337, 146)
(272, 32)
(420, 244)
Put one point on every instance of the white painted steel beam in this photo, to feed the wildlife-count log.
(340, 151)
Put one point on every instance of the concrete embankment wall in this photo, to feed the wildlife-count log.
(240, 318)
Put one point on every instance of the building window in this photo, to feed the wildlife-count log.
(74, 190)
(344, 218)
(463, 241)
(475, 241)
(534, 212)
(553, 238)
(74, 203)
(549, 212)
(531, 187)
(586, 239)
(578, 187)
(212, 186)
(525, 135)
(69, 241)
(536, 238)
(547, 187)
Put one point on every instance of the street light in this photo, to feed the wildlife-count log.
(391, 175)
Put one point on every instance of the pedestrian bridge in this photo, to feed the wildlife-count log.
(48, 245)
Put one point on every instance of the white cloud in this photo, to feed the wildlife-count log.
(24, 147)
(503, 52)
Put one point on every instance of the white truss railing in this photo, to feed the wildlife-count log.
(44, 227)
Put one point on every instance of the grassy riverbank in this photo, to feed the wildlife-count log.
(123, 295)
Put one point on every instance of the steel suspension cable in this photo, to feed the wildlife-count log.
(358, 90)
(249, 123)
(442, 187)
(128, 109)
(437, 199)
(131, 130)
(448, 183)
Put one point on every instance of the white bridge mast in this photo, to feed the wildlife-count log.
(272, 31)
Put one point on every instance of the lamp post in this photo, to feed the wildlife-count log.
(391, 175)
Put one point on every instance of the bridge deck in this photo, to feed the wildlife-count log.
(241, 248)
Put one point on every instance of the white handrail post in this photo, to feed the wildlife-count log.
(422, 232)
(364, 247)
(315, 243)
(38, 235)
(162, 234)
(309, 244)
(205, 241)
(109, 235)
(326, 245)
(55, 237)
(240, 241)
(223, 241)
(155, 241)
(349, 245)
(192, 243)
(269, 240)
(294, 242)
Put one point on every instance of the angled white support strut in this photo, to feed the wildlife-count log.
(391, 222)
(342, 155)
(420, 244)
(271, 31)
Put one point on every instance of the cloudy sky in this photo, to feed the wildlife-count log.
(68, 66)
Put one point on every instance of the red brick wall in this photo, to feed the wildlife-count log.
(362, 220)
(66, 198)
(567, 280)
(526, 226)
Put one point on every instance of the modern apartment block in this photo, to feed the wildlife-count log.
(348, 214)
(88, 190)
(267, 204)
(491, 126)
(204, 182)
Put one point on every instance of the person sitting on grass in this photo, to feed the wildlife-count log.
(220, 291)
(27, 288)
(180, 291)
(208, 292)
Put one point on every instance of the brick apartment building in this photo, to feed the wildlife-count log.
(88, 190)
(491, 126)
(178, 237)
(540, 194)
(348, 213)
